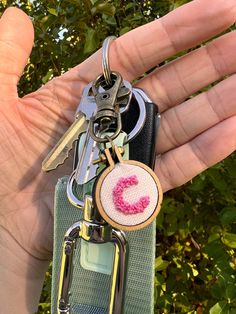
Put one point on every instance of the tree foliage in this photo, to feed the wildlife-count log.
(196, 229)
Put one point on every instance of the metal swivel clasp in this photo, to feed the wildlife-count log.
(108, 105)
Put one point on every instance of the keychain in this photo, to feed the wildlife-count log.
(115, 194)
(127, 193)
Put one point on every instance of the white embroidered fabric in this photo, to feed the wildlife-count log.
(146, 187)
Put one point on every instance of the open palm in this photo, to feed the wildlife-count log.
(194, 134)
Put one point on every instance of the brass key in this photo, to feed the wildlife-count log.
(60, 152)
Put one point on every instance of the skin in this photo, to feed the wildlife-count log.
(203, 134)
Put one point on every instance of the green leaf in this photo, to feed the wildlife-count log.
(197, 184)
(230, 164)
(137, 17)
(159, 280)
(104, 8)
(48, 76)
(221, 307)
(222, 288)
(110, 20)
(213, 237)
(216, 250)
(217, 179)
(124, 30)
(129, 6)
(160, 219)
(161, 264)
(47, 22)
(171, 225)
(52, 11)
(228, 215)
(91, 41)
(229, 239)
(231, 291)
(216, 229)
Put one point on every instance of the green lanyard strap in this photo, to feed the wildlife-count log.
(90, 290)
(93, 263)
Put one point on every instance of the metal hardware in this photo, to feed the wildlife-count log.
(70, 194)
(72, 183)
(143, 94)
(102, 158)
(119, 273)
(101, 106)
(61, 150)
(88, 104)
(84, 113)
(108, 113)
(93, 229)
(84, 168)
(148, 100)
(142, 116)
(105, 60)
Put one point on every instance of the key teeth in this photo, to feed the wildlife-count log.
(47, 168)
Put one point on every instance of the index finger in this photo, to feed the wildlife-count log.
(143, 48)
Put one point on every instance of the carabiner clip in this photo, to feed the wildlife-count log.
(95, 232)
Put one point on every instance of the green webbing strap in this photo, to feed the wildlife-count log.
(90, 290)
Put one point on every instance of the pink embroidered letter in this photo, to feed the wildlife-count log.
(121, 204)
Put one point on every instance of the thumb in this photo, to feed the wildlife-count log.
(16, 41)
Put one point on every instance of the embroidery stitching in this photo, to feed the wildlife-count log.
(124, 206)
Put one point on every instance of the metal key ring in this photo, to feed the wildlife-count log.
(105, 59)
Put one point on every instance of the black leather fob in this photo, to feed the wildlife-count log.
(142, 147)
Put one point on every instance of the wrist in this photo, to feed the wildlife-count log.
(21, 275)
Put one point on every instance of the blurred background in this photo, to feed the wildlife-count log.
(196, 229)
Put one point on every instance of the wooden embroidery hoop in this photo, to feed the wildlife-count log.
(103, 175)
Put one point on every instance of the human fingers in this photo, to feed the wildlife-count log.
(181, 164)
(184, 122)
(139, 50)
(143, 48)
(16, 41)
(173, 83)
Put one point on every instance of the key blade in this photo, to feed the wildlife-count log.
(61, 150)
(86, 170)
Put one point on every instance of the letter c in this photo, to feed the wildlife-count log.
(124, 206)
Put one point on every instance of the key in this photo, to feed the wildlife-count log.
(86, 170)
(61, 150)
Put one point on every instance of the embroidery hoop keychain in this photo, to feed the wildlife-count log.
(127, 193)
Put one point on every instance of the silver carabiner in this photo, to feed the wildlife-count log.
(96, 232)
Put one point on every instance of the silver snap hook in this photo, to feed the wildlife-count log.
(105, 59)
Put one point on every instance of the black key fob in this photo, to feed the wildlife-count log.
(142, 147)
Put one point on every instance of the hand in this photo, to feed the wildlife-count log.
(194, 134)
